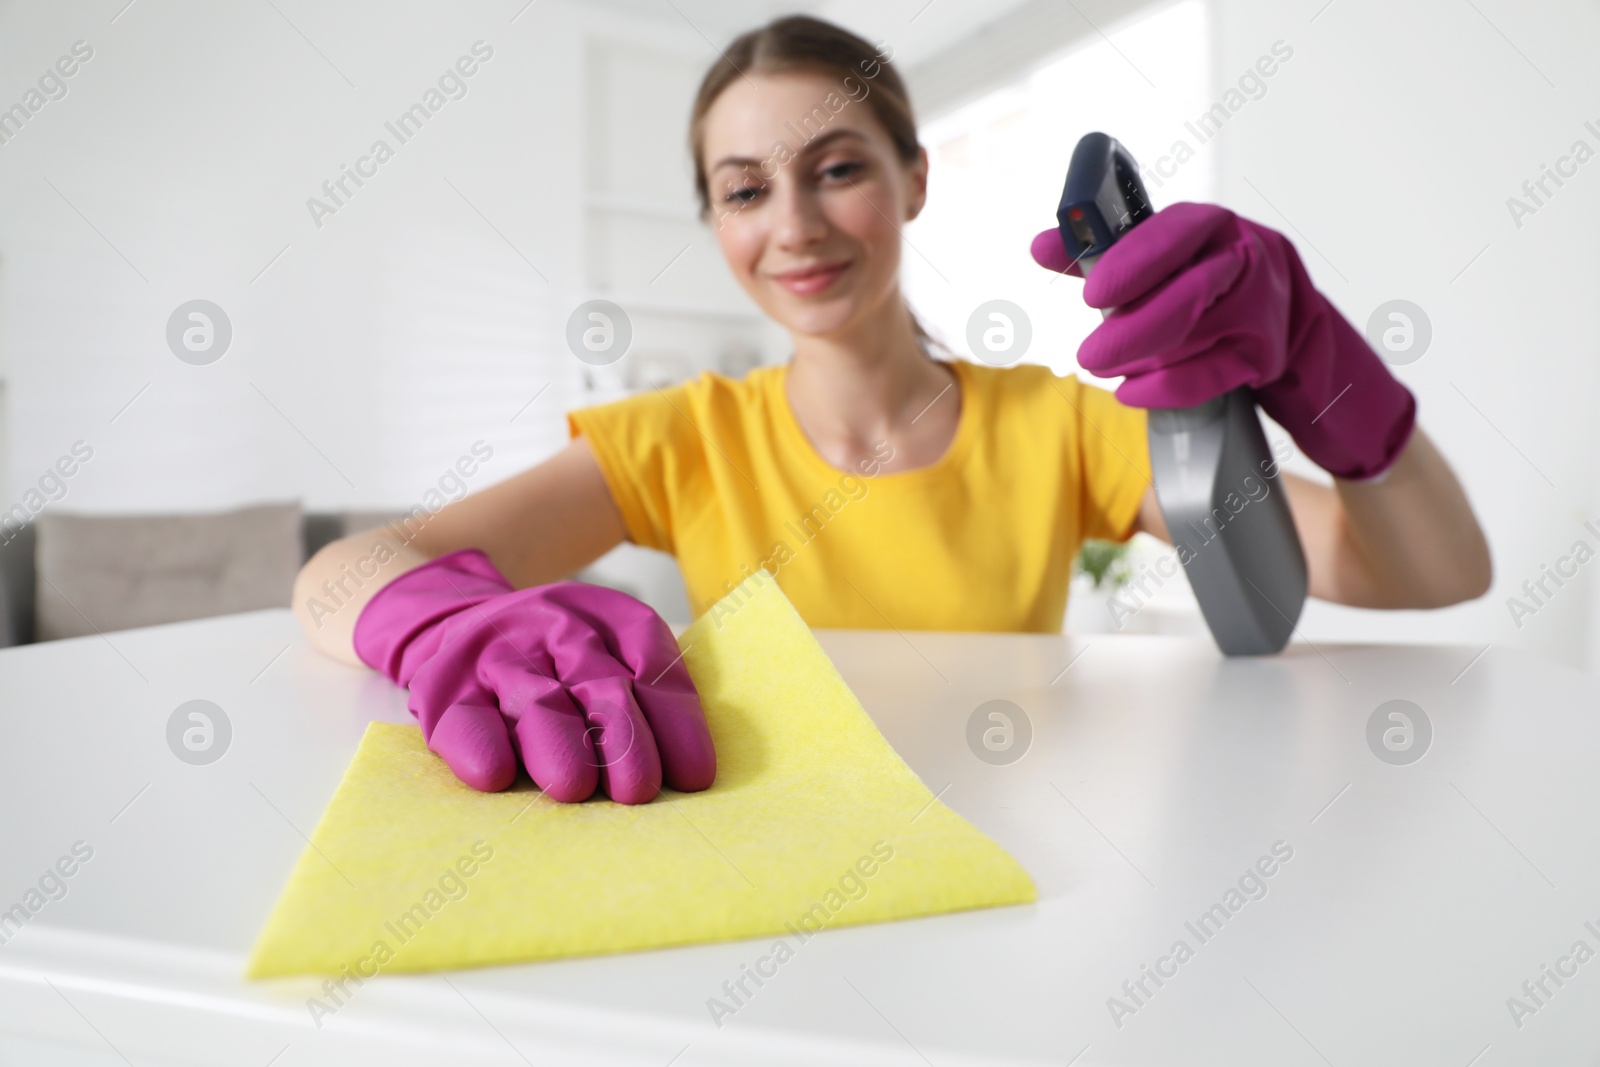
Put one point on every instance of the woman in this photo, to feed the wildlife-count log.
(882, 487)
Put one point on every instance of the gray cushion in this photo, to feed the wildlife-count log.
(16, 584)
(358, 521)
(100, 573)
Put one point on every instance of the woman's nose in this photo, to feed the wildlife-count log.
(799, 219)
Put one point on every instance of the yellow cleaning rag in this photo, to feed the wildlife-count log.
(814, 821)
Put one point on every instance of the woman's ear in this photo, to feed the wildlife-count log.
(919, 184)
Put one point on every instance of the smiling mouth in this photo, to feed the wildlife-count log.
(812, 281)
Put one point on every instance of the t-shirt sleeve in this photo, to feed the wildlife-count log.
(648, 450)
(1114, 463)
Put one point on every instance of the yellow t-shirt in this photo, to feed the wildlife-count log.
(718, 473)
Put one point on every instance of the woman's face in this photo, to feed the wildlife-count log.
(803, 178)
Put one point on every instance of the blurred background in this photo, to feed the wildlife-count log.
(204, 374)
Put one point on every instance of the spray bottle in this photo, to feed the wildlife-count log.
(1240, 551)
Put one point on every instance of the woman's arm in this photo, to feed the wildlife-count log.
(537, 527)
(1408, 541)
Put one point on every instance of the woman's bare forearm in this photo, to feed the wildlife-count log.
(1408, 541)
(1416, 533)
(540, 526)
(336, 583)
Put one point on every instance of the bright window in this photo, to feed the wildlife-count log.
(997, 166)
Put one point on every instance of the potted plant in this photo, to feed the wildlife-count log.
(1100, 570)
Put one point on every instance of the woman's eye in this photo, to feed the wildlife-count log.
(837, 172)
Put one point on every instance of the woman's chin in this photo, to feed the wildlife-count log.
(815, 319)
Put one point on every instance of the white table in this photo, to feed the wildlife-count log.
(1418, 899)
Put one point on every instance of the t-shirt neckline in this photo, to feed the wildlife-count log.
(953, 455)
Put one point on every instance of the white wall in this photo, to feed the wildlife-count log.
(1387, 147)
(367, 357)
(377, 347)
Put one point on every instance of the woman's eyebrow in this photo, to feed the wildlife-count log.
(811, 146)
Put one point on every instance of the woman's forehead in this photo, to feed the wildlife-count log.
(754, 115)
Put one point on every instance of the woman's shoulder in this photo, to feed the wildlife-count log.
(1015, 375)
(1030, 380)
(714, 396)
(751, 384)
(1024, 384)
(708, 392)
(1030, 399)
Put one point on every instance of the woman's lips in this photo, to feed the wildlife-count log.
(815, 282)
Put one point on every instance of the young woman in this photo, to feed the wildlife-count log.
(881, 486)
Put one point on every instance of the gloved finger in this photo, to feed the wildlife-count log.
(1050, 252)
(1160, 328)
(677, 720)
(462, 725)
(629, 763)
(557, 752)
(473, 741)
(626, 639)
(550, 732)
(1194, 381)
(1154, 250)
(666, 695)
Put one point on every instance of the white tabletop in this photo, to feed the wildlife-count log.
(1418, 899)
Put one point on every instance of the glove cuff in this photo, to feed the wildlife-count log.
(1337, 398)
(410, 607)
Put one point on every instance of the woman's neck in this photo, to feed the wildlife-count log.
(852, 391)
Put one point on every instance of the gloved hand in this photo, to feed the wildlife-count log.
(584, 682)
(1207, 301)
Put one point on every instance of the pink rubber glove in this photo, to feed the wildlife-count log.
(584, 682)
(1206, 302)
